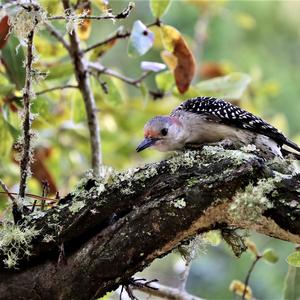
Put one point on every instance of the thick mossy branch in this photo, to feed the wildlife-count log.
(110, 231)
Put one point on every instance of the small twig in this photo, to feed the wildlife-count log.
(17, 214)
(103, 70)
(45, 193)
(27, 135)
(31, 196)
(103, 85)
(83, 79)
(139, 283)
(165, 292)
(122, 15)
(136, 82)
(7, 192)
(184, 275)
(190, 253)
(57, 35)
(68, 86)
(258, 257)
(118, 35)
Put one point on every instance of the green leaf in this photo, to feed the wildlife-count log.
(113, 96)
(145, 92)
(78, 111)
(6, 87)
(13, 62)
(291, 290)
(230, 87)
(159, 7)
(165, 81)
(141, 39)
(213, 237)
(192, 92)
(294, 259)
(14, 132)
(270, 256)
(60, 71)
(40, 106)
(5, 138)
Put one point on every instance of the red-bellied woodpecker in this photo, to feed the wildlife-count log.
(206, 120)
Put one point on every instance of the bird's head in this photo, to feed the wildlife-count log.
(161, 133)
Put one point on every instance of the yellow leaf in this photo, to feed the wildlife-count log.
(159, 7)
(238, 288)
(251, 247)
(99, 51)
(170, 36)
(169, 59)
(246, 21)
(158, 43)
(102, 5)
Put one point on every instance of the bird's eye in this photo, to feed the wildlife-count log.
(164, 131)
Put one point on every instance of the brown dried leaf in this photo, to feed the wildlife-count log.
(211, 69)
(185, 68)
(40, 171)
(4, 29)
(85, 28)
(186, 65)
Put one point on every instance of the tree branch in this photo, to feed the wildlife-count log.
(82, 76)
(109, 16)
(27, 134)
(110, 231)
(57, 35)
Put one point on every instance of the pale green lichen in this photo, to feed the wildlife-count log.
(283, 166)
(94, 192)
(27, 20)
(218, 152)
(249, 204)
(179, 203)
(48, 238)
(76, 206)
(249, 148)
(15, 243)
(186, 159)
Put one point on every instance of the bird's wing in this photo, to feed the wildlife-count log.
(220, 111)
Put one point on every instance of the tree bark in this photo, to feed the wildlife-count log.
(110, 231)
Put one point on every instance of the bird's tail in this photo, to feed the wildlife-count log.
(286, 152)
(292, 145)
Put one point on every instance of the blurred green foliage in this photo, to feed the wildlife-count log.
(259, 38)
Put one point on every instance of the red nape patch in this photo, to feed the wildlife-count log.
(176, 121)
(150, 133)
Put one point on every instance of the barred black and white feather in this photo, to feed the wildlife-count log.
(222, 112)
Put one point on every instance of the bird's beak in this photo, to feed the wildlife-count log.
(146, 143)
